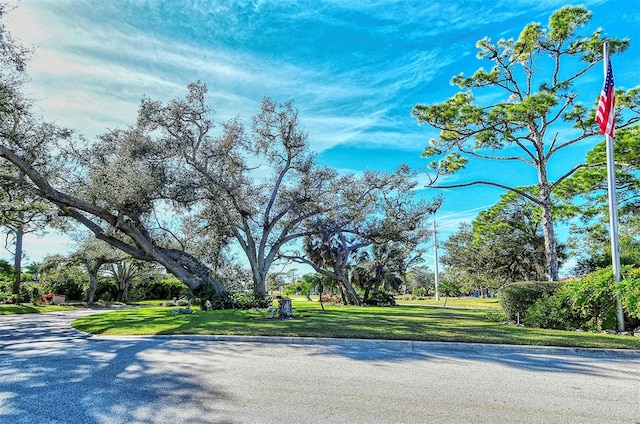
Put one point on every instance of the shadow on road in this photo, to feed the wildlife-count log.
(51, 373)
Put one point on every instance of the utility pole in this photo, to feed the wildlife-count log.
(435, 256)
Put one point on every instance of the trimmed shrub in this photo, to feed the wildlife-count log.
(553, 312)
(589, 303)
(516, 298)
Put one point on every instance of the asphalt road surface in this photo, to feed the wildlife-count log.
(50, 373)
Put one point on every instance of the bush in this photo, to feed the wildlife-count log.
(592, 299)
(238, 300)
(419, 293)
(13, 299)
(380, 298)
(553, 312)
(516, 298)
(34, 294)
(106, 287)
(629, 291)
(69, 282)
(589, 303)
(156, 288)
(105, 297)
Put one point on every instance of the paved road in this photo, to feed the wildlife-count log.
(50, 373)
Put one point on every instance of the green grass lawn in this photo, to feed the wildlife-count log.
(24, 308)
(457, 302)
(404, 322)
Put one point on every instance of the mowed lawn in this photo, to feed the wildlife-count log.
(404, 322)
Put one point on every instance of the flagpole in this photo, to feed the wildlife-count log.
(613, 205)
(435, 257)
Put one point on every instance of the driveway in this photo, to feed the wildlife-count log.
(51, 373)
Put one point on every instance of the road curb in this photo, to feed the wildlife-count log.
(399, 345)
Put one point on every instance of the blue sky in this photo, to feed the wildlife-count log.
(355, 69)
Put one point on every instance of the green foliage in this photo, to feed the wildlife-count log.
(238, 300)
(516, 298)
(586, 192)
(305, 285)
(532, 95)
(593, 299)
(156, 288)
(552, 312)
(449, 288)
(70, 282)
(380, 298)
(6, 269)
(419, 293)
(588, 303)
(629, 291)
(243, 301)
(495, 316)
(26, 292)
(504, 244)
(106, 286)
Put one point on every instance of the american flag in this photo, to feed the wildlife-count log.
(605, 116)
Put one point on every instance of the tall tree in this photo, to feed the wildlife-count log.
(93, 255)
(535, 73)
(124, 272)
(261, 189)
(381, 266)
(502, 245)
(511, 230)
(467, 261)
(21, 212)
(585, 196)
(374, 208)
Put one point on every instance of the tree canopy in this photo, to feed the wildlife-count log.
(536, 115)
(179, 187)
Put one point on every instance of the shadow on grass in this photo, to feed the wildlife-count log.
(20, 309)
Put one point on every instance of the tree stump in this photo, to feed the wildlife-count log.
(284, 308)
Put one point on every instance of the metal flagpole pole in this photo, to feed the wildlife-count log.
(435, 256)
(613, 204)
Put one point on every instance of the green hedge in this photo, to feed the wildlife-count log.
(589, 303)
(516, 298)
